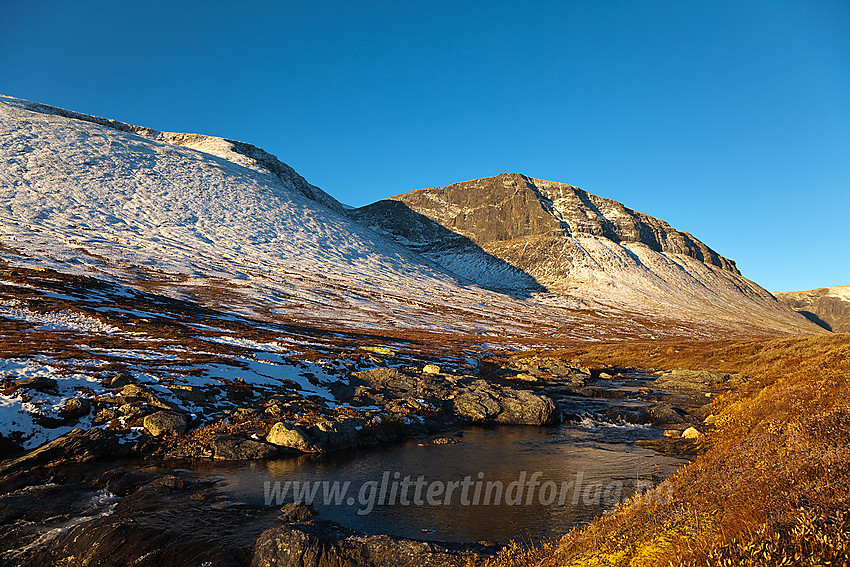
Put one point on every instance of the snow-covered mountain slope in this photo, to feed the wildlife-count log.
(829, 307)
(228, 226)
(544, 235)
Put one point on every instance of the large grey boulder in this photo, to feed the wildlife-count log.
(481, 401)
(165, 423)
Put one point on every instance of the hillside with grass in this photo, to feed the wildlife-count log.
(771, 485)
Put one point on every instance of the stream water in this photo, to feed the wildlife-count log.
(494, 484)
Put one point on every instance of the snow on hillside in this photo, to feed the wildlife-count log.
(82, 197)
(197, 265)
(229, 224)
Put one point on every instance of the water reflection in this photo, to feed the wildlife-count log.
(577, 469)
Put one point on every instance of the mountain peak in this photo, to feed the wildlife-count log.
(513, 206)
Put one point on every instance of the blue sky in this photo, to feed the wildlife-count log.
(730, 120)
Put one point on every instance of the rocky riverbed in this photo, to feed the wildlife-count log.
(82, 498)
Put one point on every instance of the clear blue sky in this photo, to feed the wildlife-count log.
(730, 120)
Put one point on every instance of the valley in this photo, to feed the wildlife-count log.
(185, 320)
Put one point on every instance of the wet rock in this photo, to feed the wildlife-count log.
(675, 446)
(167, 522)
(627, 414)
(664, 414)
(484, 402)
(335, 435)
(430, 369)
(291, 436)
(76, 446)
(296, 512)
(324, 544)
(235, 448)
(165, 423)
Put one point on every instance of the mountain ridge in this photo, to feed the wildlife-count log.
(828, 307)
(537, 234)
(195, 216)
(640, 227)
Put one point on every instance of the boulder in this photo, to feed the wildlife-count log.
(291, 436)
(484, 402)
(296, 512)
(664, 414)
(121, 379)
(75, 408)
(165, 423)
(691, 433)
(431, 369)
(137, 392)
(77, 446)
(526, 408)
(476, 406)
(335, 435)
(235, 448)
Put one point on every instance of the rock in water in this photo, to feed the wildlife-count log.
(291, 437)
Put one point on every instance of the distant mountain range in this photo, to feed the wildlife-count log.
(829, 307)
(228, 225)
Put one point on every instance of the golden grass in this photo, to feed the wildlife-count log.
(773, 486)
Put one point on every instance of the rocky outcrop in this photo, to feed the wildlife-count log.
(481, 402)
(470, 399)
(78, 446)
(828, 307)
(317, 543)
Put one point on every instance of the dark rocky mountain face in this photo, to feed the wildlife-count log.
(511, 206)
(526, 223)
(828, 307)
(522, 235)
